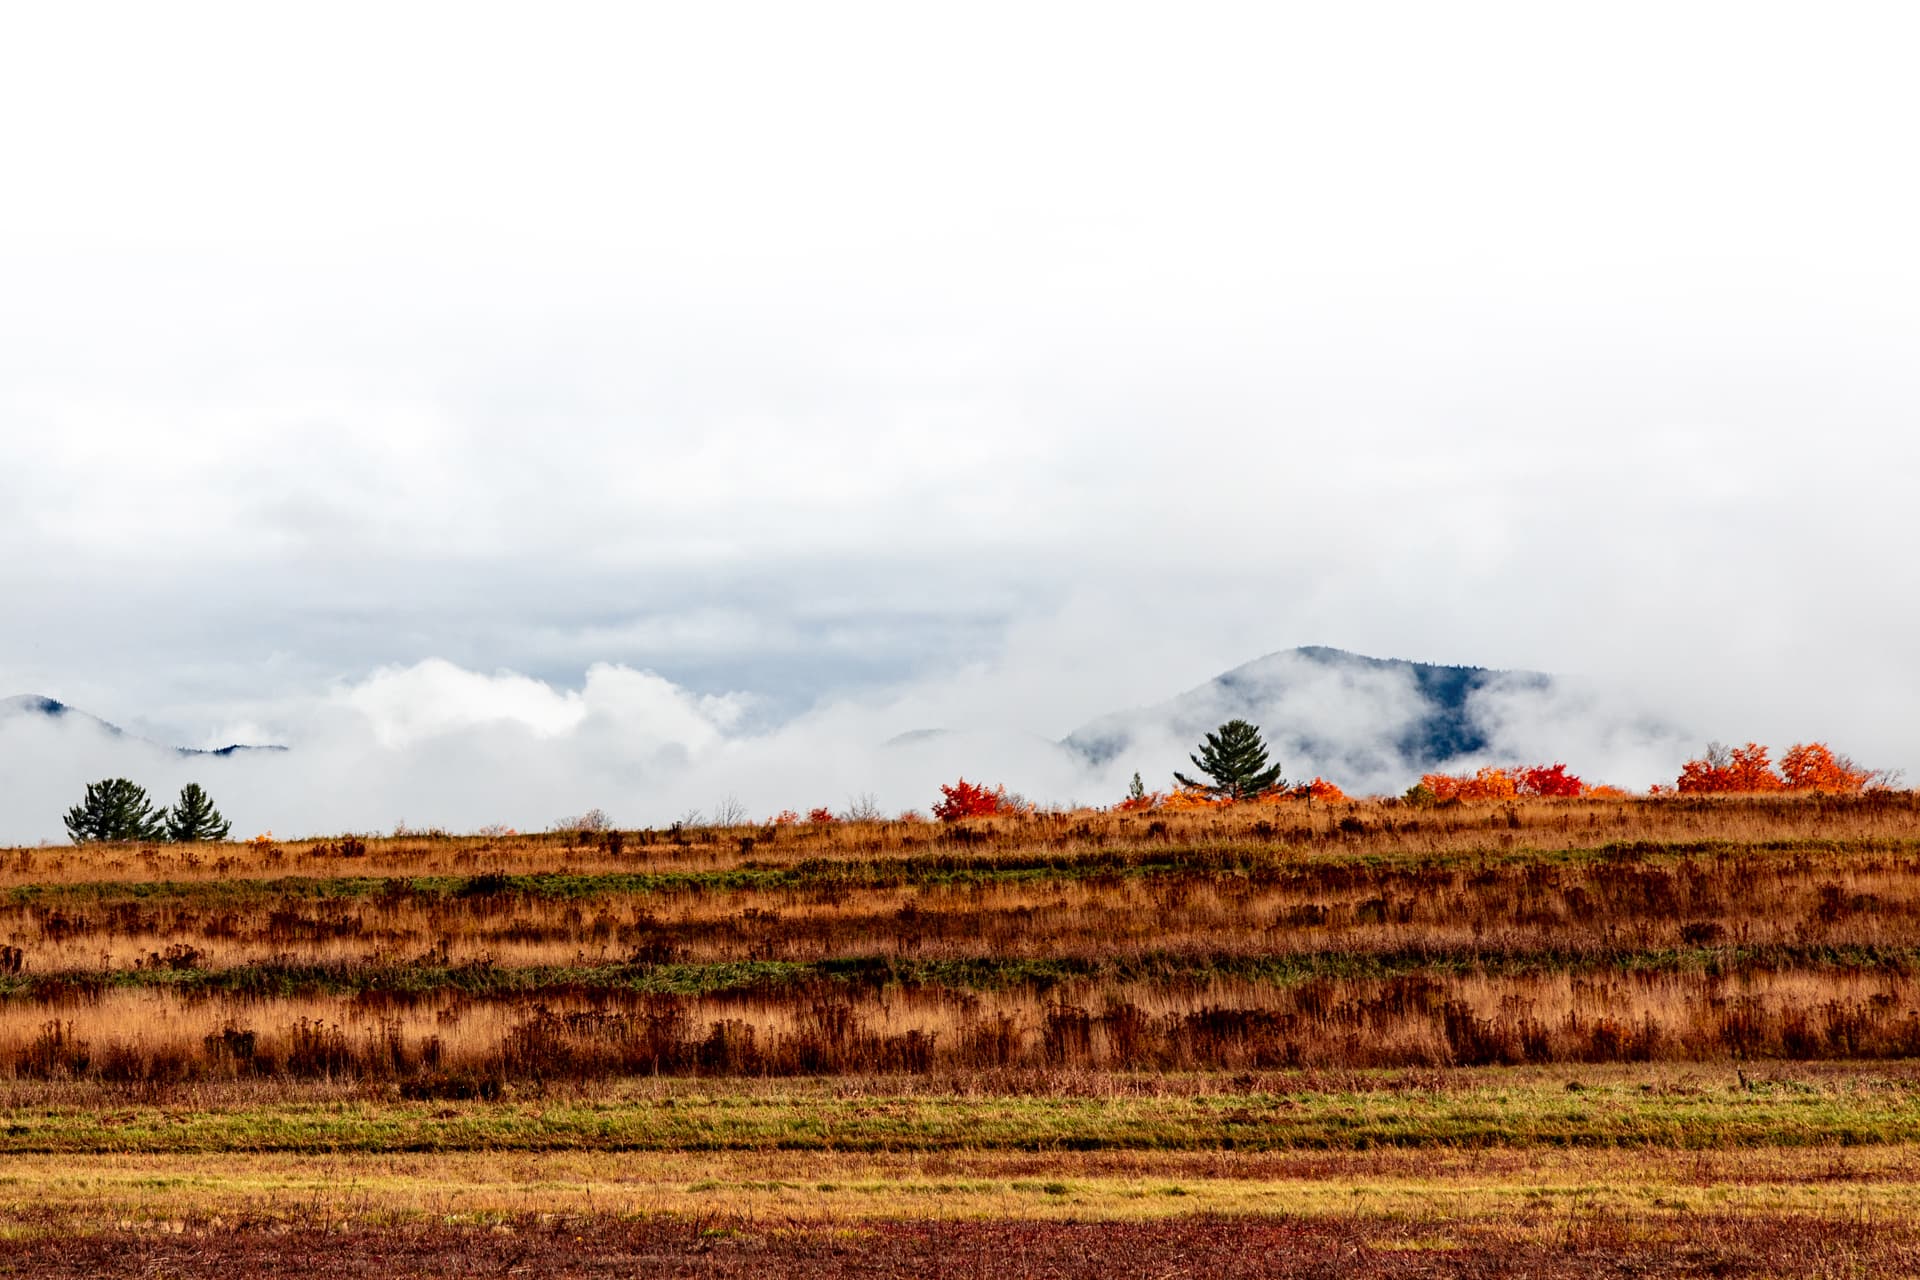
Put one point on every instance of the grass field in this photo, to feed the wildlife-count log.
(1545, 1038)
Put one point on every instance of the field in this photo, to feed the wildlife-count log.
(1677, 1036)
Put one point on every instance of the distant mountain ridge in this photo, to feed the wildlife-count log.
(1392, 715)
(1369, 724)
(32, 704)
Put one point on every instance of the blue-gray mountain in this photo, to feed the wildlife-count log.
(53, 709)
(1340, 714)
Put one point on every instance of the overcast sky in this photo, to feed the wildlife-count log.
(997, 367)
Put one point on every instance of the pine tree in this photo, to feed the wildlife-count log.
(195, 818)
(115, 809)
(1136, 790)
(1236, 759)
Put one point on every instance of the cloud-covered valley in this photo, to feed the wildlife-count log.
(436, 745)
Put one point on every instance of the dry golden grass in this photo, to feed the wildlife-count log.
(1367, 934)
(1365, 827)
(1263, 904)
(1527, 1038)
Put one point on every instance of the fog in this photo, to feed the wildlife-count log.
(405, 386)
(436, 746)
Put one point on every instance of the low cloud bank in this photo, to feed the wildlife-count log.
(434, 744)
(1374, 727)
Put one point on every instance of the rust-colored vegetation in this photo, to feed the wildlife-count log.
(1289, 933)
(1537, 781)
(1749, 770)
(1009, 1042)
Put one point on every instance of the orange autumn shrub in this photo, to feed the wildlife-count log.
(1746, 770)
(1752, 770)
(1807, 766)
(1182, 799)
(1491, 784)
(1487, 783)
(1547, 781)
(1812, 766)
(1319, 789)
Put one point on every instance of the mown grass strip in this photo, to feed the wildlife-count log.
(1524, 1116)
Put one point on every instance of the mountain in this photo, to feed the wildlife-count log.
(31, 704)
(1336, 713)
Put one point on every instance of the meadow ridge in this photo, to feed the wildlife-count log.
(1033, 642)
(1487, 1037)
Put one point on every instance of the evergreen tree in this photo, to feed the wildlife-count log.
(115, 809)
(195, 818)
(1236, 759)
(1136, 790)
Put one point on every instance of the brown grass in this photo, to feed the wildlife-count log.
(1366, 827)
(149, 1036)
(1257, 902)
(947, 1013)
(1364, 935)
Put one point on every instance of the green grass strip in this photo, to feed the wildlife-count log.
(715, 1118)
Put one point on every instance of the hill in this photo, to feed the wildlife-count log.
(1342, 714)
(33, 704)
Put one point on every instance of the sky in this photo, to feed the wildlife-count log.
(525, 408)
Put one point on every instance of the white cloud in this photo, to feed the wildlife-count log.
(999, 371)
(434, 744)
(434, 698)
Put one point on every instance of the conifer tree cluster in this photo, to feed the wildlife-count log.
(118, 809)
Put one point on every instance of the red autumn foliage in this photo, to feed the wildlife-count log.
(821, 816)
(1549, 780)
(1545, 780)
(972, 800)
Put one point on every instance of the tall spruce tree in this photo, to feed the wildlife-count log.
(115, 809)
(1236, 759)
(193, 817)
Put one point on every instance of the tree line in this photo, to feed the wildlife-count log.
(1231, 762)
